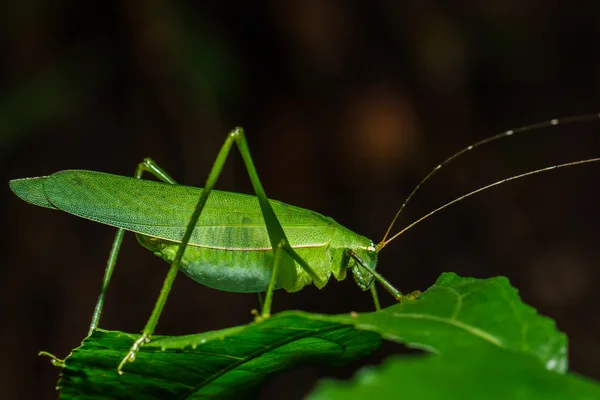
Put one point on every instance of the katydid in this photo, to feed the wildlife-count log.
(229, 241)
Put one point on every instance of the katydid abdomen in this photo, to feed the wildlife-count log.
(229, 248)
(245, 270)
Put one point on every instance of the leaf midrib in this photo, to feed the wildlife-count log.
(258, 353)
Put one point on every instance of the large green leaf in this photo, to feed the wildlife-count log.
(486, 372)
(468, 322)
(223, 364)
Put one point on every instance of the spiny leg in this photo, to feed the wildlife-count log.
(384, 282)
(276, 237)
(148, 165)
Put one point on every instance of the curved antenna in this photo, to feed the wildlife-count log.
(511, 132)
(481, 189)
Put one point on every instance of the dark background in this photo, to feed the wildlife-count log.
(347, 105)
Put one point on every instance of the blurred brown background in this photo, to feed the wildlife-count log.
(347, 105)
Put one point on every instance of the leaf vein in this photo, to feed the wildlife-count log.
(471, 329)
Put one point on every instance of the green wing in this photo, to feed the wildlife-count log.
(230, 221)
(31, 190)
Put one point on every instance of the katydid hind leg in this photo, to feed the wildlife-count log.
(275, 231)
(148, 165)
(108, 271)
(277, 236)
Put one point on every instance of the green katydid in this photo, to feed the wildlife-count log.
(230, 241)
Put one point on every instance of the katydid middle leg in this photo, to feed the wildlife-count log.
(375, 297)
(148, 165)
(277, 238)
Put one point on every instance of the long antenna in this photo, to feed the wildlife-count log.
(511, 132)
(512, 178)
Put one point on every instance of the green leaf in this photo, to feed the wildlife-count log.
(488, 344)
(471, 324)
(231, 363)
(457, 314)
(484, 373)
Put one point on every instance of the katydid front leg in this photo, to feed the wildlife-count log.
(377, 276)
(148, 165)
(277, 238)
